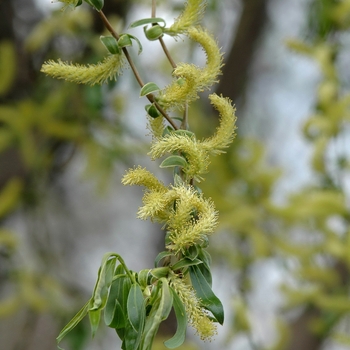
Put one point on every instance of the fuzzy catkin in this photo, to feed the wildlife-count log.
(90, 74)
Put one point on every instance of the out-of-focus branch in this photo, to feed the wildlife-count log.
(237, 63)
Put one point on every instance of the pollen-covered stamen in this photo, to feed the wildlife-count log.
(142, 177)
(90, 74)
(190, 16)
(193, 218)
(193, 151)
(192, 78)
(225, 132)
(197, 316)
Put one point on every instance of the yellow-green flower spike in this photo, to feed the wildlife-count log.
(214, 57)
(198, 317)
(156, 125)
(154, 207)
(194, 218)
(193, 151)
(190, 79)
(142, 177)
(190, 16)
(225, 132)
(90, 74)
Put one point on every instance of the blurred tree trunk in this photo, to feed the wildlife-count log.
(237, 63)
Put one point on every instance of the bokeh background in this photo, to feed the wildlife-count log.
(281, 256)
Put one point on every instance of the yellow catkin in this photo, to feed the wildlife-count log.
(190, 16)
(198, 317)
(192, 78)
(193, 219)
(197, 157)
(225, 132)
(90, 74)
(142, 177)
(156, 125)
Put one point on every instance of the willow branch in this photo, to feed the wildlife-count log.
(150, 97)
(167, 53)
(165, 49)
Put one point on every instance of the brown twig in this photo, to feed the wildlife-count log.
(150, 97)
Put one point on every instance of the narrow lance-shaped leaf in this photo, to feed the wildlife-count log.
(161, 256)
(131, 338)
(74, 321)
(136, 308)
(204, 292)
(144, 21)
(114, 314)
(104, 280)
(181, 318)
(185, 263)
(94, 317)
(159, 312)
(136, 315)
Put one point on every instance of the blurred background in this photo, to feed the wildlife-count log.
(281, 255)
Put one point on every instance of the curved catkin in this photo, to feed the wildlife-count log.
(187, 229)
(195, 154)
(209, 74)
(142, 177)
(225, 132)
(190, 16)
(90, 74)
(198, 317)
(192, 78)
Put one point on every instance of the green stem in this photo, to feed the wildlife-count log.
(122, 262)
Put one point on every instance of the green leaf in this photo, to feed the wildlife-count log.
(174, 161)
(97, 4)
(131, 338)
(136, 307)
(119, 270)
(74, 321)
(161, 256)
(160, 272)
(178, 180)
(181, 318)
(149, 88)
(115, 313)
(167, 130)
(111, 44)
(153, 33)
(185, 263)
(94, 317)
(144, 21)
(152, 111)
(205, 257)
(188, 133)
(159, 312)
(192, 252)
(104, 280)
(124, 40)
(138, 42)
(204, 292)
(143, 277)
